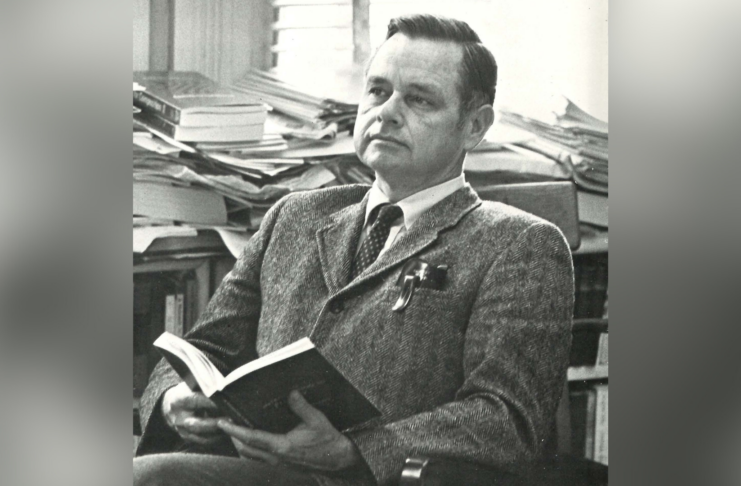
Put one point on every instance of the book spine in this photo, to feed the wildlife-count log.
(578, 412)
(156, 320)
(602, 350)
(584, 270)
(158, 123)
(170, 313)
(180, 314)
(191, 298)
(589, 429)
(597, 307)
(146, 101)
(601, 425)
(174, 313)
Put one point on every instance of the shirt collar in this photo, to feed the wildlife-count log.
(413, 206)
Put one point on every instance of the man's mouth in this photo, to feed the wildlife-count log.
(384, 138)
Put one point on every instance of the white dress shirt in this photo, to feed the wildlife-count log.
(412, 207)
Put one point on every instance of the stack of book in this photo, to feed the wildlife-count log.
(189, 107)
(297, 113)
(177, 189)
(588, 394)
(589, 346)
(177, 192)
(183, 184)
(589, 422)
(163, 301)
(579, 142)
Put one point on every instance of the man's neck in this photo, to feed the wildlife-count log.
(396, 192)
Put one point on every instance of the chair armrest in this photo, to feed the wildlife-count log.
(427, 471)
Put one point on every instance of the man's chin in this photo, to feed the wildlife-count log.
(382, 162)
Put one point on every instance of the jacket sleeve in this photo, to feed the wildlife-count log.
(515, 360)
(226, 332)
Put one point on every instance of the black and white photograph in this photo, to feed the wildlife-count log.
(370, 242)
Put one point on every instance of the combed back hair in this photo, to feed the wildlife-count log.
(478, 70)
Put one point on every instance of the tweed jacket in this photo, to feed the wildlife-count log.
(472, 371)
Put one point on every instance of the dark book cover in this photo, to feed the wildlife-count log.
(176, 95)
(585, 275)
(585, 341)
(259, 399)
(584, 346)
(599, 287)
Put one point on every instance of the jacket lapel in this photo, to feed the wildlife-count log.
(446, 214)
(337, 241)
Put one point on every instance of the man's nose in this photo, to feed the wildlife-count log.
(391, 111)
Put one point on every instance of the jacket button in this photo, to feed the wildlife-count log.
(336, 306)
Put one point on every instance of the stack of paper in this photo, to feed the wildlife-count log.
(222, 188)
(303, 115)
(572, 137)
(233, 183)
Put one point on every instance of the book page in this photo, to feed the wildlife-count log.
(205, 373)
(286, 352)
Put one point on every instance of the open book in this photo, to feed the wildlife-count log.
(256, 393)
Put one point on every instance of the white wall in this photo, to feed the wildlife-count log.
(141, 35)
(219, 38)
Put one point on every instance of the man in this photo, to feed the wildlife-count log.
(472, 369)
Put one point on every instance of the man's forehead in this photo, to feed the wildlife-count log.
(422, 62)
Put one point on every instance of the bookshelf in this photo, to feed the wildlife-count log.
(589, 371)
(190, 266)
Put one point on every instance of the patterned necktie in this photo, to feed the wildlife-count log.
(377, 236)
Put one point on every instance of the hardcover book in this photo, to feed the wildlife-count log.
(601, 424)
(227, 133)
(189, 98)
(256, 393)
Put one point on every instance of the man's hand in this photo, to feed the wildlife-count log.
(314, 443)
(186, 412)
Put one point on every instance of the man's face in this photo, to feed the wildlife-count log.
(407, 128)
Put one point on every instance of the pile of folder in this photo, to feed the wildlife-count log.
(296, 113)
(572, 137)
(181, 186)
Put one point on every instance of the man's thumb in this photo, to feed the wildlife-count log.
(304, 410)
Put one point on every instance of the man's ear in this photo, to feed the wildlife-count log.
(478, 123)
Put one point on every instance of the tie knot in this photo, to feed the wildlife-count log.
(386, 214)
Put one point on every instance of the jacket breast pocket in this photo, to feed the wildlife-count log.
(429, 337)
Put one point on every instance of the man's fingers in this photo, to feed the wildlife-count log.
(200, 426)
(197, 401)
(306, 412)
(198, 439)
(256, 438)
(254, 453)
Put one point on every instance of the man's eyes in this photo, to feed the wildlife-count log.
(376, 91)
(414, 100)
(418, 100)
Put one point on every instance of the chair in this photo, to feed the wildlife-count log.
(554, 202)
(557, 469)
